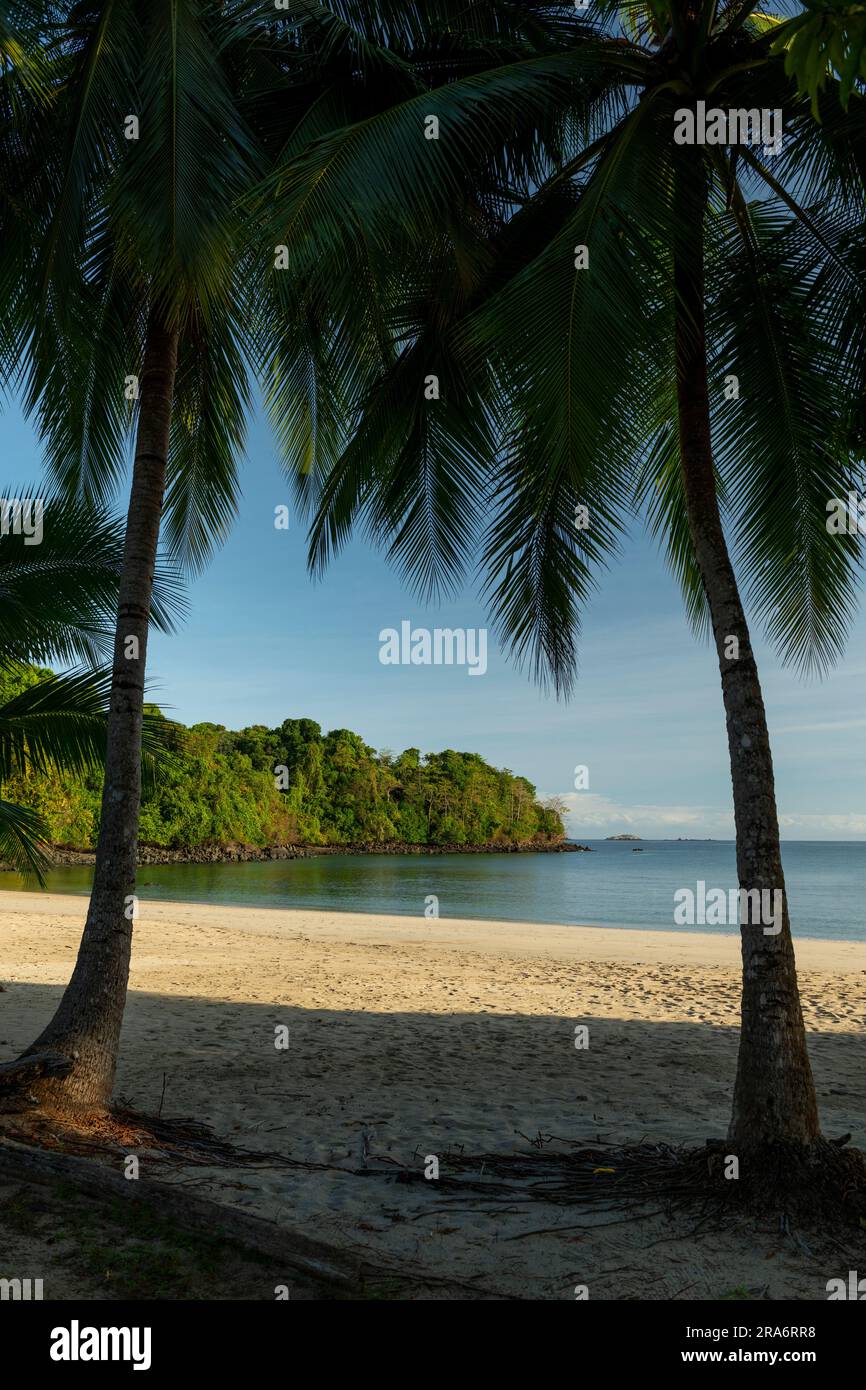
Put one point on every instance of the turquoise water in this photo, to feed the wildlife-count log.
(611, 887)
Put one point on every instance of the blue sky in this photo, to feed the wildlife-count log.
(263, 643)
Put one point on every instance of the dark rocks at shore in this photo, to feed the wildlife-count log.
(62, 857)
(192, 854)
(389, 847)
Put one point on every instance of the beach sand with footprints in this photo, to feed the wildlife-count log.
(414, 1038)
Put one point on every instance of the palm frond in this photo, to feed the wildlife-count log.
(383, 174)
(208, 428)
(22, 835)
(781, 446)
(58, 722)
(58, 598)
(577, 413)
(660, 491)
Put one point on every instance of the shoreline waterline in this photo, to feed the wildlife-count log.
(578, 941)
(611, 887)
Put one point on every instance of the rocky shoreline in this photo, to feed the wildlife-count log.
(63, 856)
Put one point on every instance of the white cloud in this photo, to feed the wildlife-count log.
(831, 726)
(587, 812)
(845, 823)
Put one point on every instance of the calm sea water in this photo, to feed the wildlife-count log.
(611, 887)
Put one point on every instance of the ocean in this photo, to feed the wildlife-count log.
(610, 887)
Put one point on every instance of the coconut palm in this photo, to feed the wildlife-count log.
(125, 314)
(140, 297)
(618, 325)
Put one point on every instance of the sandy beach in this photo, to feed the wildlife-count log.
(422, 1037)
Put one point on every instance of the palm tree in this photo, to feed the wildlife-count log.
(138, 294)
(627, 325)
(125, 310)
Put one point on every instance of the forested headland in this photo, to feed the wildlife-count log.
(295, 785)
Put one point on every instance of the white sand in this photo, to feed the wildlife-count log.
(432, 1036)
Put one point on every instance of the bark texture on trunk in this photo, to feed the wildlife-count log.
(774, 1093)
(86, 1027)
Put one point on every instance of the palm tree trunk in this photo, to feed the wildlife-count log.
(85, 1030)
(774, 1094)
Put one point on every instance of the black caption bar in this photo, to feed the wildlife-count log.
(144, 1339)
